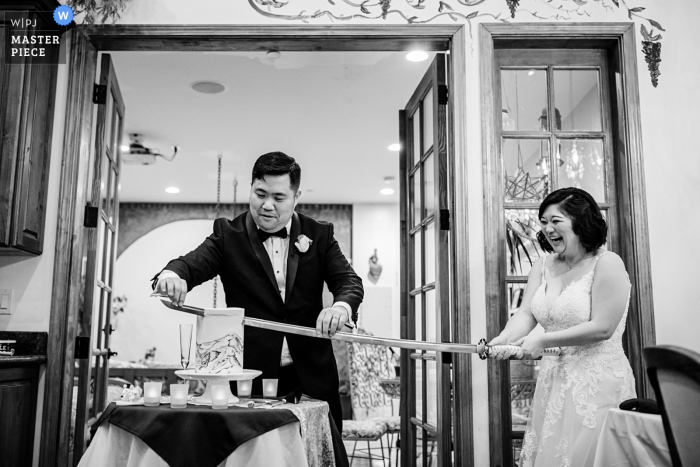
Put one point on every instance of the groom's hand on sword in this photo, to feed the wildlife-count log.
(173, 287)
(331, 320)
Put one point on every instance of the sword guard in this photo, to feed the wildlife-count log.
(483, 349)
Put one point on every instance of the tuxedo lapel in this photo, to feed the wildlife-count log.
(292, 256)
(259, 249)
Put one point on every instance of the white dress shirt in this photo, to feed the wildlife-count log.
(277, 249)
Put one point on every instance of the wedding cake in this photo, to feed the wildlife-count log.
(220, 341)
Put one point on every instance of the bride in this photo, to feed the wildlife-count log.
(579, 294)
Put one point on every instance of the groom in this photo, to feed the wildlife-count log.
(273, 263)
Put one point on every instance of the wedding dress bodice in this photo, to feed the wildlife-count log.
(571, 307)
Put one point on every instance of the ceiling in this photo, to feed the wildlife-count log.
(335, 112)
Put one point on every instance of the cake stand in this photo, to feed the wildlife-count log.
(212, 379)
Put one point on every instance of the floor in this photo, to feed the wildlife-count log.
(361, 459)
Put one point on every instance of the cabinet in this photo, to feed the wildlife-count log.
(18, 399)
(27, 95)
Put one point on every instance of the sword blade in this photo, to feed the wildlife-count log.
(361, 338)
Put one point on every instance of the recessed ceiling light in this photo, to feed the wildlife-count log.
(172, 189)
(208, 87)
(394, 147)
(531, 72)
(124, 147)
(417, 56)
(273, 54)
(387, 191)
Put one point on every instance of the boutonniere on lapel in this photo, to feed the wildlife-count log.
(303, 243)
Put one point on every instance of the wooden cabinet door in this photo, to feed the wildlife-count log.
(18, 390)
(27, 94)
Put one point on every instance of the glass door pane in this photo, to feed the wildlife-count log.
(523, 98)
(577, 97)
(582, 166)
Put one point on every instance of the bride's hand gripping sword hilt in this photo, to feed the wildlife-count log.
(485, 350)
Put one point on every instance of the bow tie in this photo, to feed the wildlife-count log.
(282, 233)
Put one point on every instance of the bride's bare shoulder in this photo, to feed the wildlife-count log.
(610, 262)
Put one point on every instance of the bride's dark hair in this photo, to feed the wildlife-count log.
(586, 219)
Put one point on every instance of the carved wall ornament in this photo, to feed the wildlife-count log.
(419, 12)
(464, 11)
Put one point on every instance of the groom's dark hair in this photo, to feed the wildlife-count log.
(277, 163)
(586, 219)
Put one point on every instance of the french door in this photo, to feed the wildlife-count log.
(556, 131)
(102, 217)
(426, 407)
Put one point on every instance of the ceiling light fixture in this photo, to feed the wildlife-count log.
(208, 87)
(417, 56)
(394, 147)
(124, 147)
(172, 189)
(137, 153)
(387, 191)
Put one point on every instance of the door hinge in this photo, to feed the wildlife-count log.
(82, 347)
(90, 217)
(444, 219)
(99, 94)
(443, 94)
(446, 358)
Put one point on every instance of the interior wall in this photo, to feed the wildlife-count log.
(31, 277)
(376, 226)
(145, 323)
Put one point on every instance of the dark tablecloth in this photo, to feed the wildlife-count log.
(196, 435)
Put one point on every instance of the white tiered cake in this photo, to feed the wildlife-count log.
(220, 341)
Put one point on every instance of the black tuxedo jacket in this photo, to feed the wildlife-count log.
(235, 253)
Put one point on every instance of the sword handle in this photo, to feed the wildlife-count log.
(484, 350)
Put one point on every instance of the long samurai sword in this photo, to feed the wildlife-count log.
(482, 348)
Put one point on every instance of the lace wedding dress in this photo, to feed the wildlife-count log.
(575, 390)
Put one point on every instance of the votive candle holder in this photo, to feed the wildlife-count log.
(219, 396)
(245, 387)
(178, 395)
(269, 388)
(151, 393)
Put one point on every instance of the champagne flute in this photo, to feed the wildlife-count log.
(185, 344)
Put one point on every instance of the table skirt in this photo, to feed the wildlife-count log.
(632, 439)
(114, 447)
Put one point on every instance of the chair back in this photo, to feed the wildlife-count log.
(674, 373)
(368, 365)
